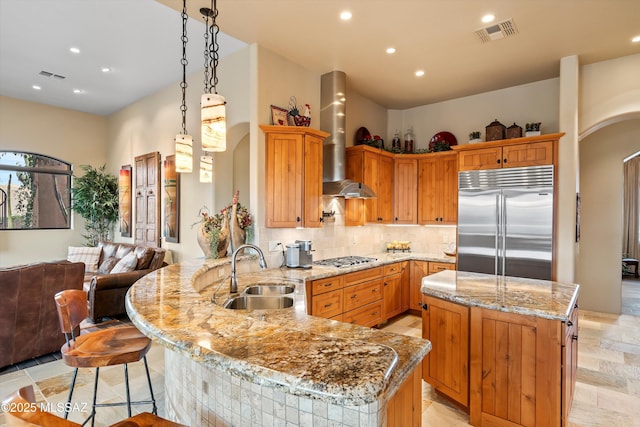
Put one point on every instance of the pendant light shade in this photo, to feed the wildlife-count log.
(184, 153)
(214, 125)
(206, 169)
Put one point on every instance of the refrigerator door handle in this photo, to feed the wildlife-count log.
(497, 241)
(504, 235)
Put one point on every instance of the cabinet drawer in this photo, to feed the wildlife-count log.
(369, 315)
(327, 305)
(362, 276)
(364, 293)
(435, 267)
(321, 286)
(390, 269)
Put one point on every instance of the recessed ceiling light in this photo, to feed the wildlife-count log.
(78, 91)
(636, 39)
(488, 18)
(74, 50)
(391, 50)
(36, 87)
(345, 15)
(419, 73)
(106, 69)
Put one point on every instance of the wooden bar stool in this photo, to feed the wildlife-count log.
(22, 410)
(631, 262)
(106, 347)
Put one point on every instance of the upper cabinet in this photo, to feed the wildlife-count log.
(438, 189)
(405, 190)
(293, 175)
(373, 168)
(509, 153)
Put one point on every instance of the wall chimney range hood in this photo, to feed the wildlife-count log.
(332, 120)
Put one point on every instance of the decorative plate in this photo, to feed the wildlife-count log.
(443, 137)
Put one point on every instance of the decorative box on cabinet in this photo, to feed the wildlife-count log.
(293, 176)
(516, 152)
(438, 189)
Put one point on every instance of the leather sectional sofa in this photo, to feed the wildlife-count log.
(29, 325)
(107, 291)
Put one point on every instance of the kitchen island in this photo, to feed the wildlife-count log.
(504, 348)
(264, 367)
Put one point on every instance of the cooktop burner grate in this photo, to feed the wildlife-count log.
(346, 261)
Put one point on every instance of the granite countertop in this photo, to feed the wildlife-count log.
(285, 348)
(532, 297)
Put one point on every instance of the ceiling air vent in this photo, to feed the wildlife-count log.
(497, 31)
(52, 75)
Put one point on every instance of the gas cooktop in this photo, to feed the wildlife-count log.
(345, 261)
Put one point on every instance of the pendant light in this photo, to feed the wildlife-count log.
(213, 116)
(184, 142)
(206, 169)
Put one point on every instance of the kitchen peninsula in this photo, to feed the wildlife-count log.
(504, 348)
(280, 365)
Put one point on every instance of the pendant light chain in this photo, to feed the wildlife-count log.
(213, 49)
(206, 51)
(184, 62)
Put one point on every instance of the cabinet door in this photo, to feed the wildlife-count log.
(446, 366)
(358, 295)
(570, 364)
(515, 375)
(405, 283)
(312, 200)
(368, 315)
(392, 290)
(419, 269)
(147, 185)
(385, 189)
(428, 191)
(531, 154)
(448, 185)
(482, 158)
(405, 189)
(284, 169)
(327, 305)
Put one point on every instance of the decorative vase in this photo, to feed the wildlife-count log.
(205, 241)
(223, 236)
(236, 232)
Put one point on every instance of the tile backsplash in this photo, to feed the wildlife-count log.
(334, 239)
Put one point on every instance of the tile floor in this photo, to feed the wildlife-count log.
(607, 389)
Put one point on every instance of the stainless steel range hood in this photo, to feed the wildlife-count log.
(332, 119)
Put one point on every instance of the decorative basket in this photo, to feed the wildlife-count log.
(495, 131)
(302, 121)
(514, 131)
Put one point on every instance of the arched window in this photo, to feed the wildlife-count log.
(35, 191)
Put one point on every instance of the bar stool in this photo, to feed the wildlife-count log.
(106, 347)
(22, 409)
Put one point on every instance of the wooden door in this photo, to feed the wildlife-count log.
(446, 366)
(530, 154)
(392, 289)
(448, 185)
(147, 186)
(481, 158)
(405, 189)
(312, 199)
(405, 283)
(428, 191)
(385, 189)
(284, 169)
(515, 375)
(405, 407)
(419, 269)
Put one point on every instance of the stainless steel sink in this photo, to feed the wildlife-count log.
(246, 302)
(269, 289)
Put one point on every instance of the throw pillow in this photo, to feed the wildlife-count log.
(90, 256)
(107, 265)
(128, 263)
(144, 255)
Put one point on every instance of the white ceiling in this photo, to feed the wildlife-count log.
(139, 39)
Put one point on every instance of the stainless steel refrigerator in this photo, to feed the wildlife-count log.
(505, 221)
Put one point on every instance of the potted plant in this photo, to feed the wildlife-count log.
(94, 196)
(532, 129)
(474, 137)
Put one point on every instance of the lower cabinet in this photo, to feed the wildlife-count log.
(392, 290)
(507, 369)
(405, 407)
(419, 269)
(446, 366)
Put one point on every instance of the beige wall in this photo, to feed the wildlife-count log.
(361, 112)
(598, 265)
(77, 138)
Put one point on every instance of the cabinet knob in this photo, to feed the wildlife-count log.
(569, 323)
(385, 283)
(425, 307)
(498, 161)
(574, 337)
(328, 305)
(297, 219)
(504, 161)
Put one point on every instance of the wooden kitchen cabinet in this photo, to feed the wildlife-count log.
(373, 168)
(405, 293)
(446, 366)
(419, 269)
(509, 153)
(405, 407)
(438, 189)
(293, 175)
(392, 289)
(516, 374)
(569, 363)
(405, 190)
(436, 267)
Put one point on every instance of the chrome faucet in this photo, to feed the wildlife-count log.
(234, 278)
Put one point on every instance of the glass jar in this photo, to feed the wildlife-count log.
(396, 145)
(408, 141)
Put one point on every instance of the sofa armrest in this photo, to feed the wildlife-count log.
(107, 293)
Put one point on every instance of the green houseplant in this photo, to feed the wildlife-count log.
(95, 199)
